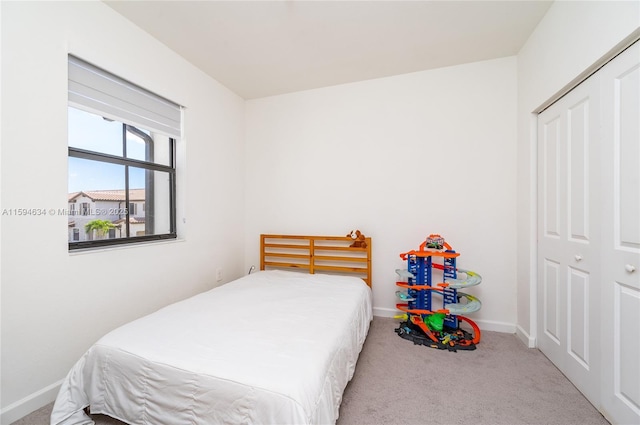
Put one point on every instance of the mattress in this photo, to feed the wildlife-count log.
(271, 347)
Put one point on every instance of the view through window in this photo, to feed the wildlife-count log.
(121, 181)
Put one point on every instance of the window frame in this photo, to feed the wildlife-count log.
(130, 162)
(95, 90)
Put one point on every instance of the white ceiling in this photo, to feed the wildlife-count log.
(264, 48)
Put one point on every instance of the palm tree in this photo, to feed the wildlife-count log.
(101, 227)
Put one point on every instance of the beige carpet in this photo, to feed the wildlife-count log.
(396, 382)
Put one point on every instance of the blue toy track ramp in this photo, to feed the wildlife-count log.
(473, 304)
(472, 279)
(405, 274)
(404, 296)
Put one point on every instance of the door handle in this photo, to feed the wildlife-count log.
(578, 257)
(630, 268)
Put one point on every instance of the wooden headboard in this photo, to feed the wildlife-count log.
(329, 254)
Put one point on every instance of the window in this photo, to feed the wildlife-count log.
(121, 154)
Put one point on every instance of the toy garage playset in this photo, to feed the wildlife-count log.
(422, 324)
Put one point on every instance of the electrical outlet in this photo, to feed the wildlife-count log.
(219, 275)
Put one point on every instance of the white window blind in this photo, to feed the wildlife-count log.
(101, 92)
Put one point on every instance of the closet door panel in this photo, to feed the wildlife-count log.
(578, 317)
(627, 151)
(568, 240)
(552, 233)
(627, 353)
(552, 151)
(551, 307)
(578, 151)
(621, 246)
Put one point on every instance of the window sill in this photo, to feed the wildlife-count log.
(94, 250)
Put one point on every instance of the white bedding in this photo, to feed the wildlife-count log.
(273, 347)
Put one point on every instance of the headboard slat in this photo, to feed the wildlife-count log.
(316, 253)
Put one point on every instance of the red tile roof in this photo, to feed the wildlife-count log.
(109, 195)
(132, 220)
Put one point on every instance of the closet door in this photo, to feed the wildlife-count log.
(620, 81)
(569, 238)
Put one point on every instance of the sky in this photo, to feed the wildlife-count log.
(92, 132)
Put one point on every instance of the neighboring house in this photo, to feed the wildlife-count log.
(110, 205)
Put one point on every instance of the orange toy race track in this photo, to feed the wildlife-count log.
(424, 325)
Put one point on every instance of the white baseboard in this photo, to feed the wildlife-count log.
(484, 325)
(494, 326)
(31, 403)
(385, 312)
(526, 339)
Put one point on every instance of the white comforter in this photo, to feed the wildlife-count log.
(273, 347)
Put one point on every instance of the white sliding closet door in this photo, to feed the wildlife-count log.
(620, 81)
(589, 237)
(568, 237)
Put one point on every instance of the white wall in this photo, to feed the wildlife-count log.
(571, 37)
(55, 304)
(398, 158)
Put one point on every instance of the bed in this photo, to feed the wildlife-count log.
(278, 345)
